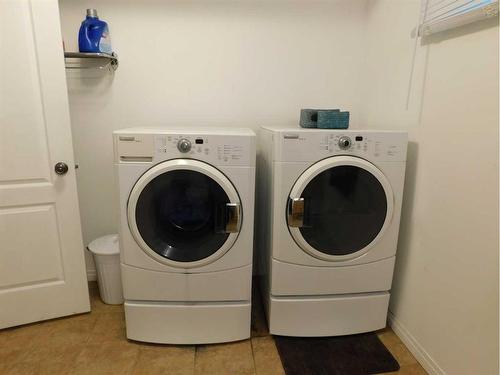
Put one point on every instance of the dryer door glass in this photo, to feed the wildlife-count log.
(180, 215)
(344, 210)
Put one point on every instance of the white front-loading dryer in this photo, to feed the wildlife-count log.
(186, 231)
(331, 203)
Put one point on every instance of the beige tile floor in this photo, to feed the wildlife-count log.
(95, 343)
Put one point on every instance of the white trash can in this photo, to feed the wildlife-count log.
(106, 252)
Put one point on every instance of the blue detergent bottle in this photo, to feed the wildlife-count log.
(94, 34)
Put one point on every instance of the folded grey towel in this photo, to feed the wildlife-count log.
(309, 118)
(324, 118)
(333, 120)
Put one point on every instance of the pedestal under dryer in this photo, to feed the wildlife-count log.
(186, 232)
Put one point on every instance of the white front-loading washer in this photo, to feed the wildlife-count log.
(186, 231)
(329, 202)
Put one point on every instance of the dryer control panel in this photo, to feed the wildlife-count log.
(314, 144)
(217, 149)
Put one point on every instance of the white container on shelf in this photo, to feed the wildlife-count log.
(106, 252)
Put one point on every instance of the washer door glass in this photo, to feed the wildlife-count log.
(180, 214)
(344, 209)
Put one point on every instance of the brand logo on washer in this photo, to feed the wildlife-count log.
(290, 136)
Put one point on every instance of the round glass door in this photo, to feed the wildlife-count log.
(339, 208)
(184, 212)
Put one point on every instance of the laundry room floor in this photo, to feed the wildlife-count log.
(95, 343)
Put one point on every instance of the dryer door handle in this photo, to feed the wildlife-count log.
(296, 212)
(233, 217)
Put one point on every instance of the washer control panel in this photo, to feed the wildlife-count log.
(184, 145)
(221, 147)
(228, 150)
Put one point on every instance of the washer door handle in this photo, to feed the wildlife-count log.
(233, 217)
(296, 212)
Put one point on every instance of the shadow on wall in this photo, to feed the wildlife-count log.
(95, 79)
(406, 228)
(460, 31)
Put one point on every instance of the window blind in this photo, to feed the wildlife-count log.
(440, 15)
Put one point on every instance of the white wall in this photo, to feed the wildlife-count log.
(445, 291)
(206, 63)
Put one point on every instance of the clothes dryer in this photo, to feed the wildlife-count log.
(329, 206)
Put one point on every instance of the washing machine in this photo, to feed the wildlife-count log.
(186, 199)
(329, 205)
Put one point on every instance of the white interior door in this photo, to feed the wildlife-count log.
(42, 270)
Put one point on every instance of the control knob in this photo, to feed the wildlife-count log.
(344, 142)
(184, 145)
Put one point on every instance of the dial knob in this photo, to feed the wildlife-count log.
(344, 143)
(184, 145)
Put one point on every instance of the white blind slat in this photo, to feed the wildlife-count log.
(439, 15)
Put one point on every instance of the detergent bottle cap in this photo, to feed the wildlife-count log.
(92, 13)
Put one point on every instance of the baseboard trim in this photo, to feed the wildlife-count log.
(91, 275)
(424, 358)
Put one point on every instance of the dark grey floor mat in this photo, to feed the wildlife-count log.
(342, 355)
